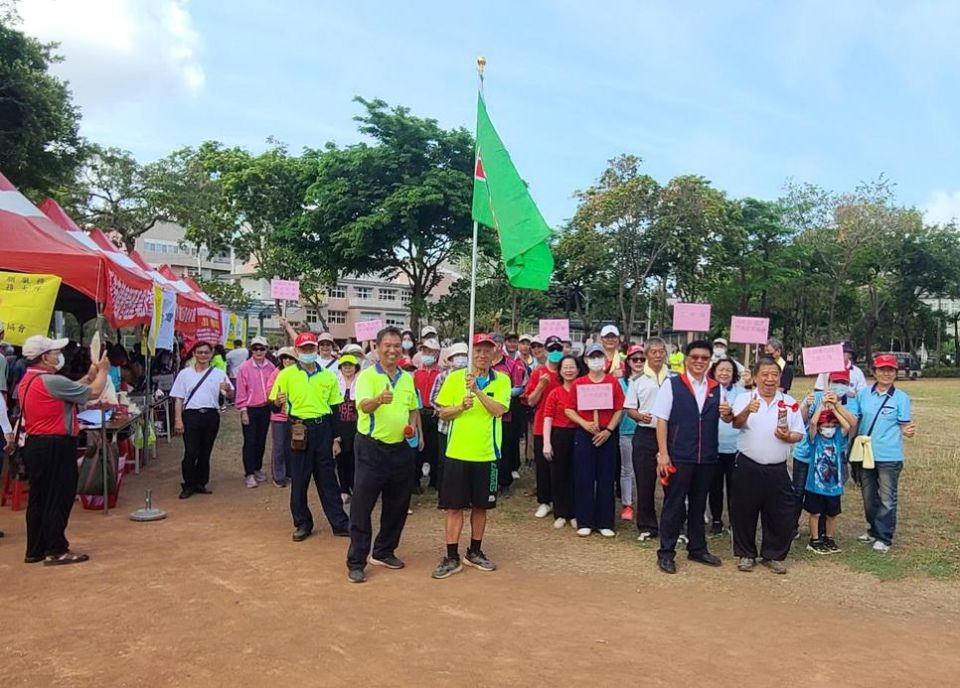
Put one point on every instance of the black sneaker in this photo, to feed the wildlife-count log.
(301, 534)
(831, 546)
(447, 567)
(356, 576)
(817, 546)
(716, 529)
(186, 493)
(478, 560)
(390, 562)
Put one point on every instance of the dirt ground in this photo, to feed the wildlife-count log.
(218, 595)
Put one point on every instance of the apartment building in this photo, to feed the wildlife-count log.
(164, 244)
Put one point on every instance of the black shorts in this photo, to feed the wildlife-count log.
(468, 484)
(814, 503)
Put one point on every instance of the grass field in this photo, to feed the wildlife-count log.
(927, 542)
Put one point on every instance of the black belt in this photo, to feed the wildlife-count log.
(319, 420)
(200, 410)
(388, 445)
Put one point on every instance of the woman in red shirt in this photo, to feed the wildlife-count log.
(597, 400)
(558, 433)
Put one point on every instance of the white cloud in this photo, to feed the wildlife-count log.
(942, 207)
(120, 51)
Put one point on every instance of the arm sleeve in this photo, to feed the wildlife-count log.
(501, 391)
(632, 398)
(364, 389)
(242, 392)
(224, 378)
(4, 418)
(335, 396)
(447, 396)
(550, 405)
(903, 409)
(179, 388)
(435, 391)
(277, 386)
(740, 403)
(617, 396)
(795, 419)
(66, 390)
(532, 382)
(664, 403)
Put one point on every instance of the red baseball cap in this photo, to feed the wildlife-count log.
(305, 338)
(840, 376)
(827, 416)
(635, 349)
(885, 361)
(482, 338)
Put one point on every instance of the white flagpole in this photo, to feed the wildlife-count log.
(481, 63)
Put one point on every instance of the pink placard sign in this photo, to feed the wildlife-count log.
(595, 397)
(691, 317)
(555, 328)
(744, 330)
(366, 330)
(823, 359)
(285, 290)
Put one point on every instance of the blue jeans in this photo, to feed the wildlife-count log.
(879, 488)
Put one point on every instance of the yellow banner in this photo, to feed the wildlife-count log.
(156, 321)
(26, 304)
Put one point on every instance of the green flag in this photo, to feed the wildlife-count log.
(502, 202)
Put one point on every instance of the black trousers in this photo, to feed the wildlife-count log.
(255, 438)
(645, 471)
(382, 472)
(316, 462)
(431, 445)
(200, 428)
(561, 472)
(544, 486)
(520, 413)
(688, 489)
(346, 459)
(509, 452)
(762, 491)
(51, 462)
(723, 475)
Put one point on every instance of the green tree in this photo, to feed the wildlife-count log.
(228, 294)
(400, 204)
(40, 144)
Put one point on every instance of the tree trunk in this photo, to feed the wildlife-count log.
(833, 306)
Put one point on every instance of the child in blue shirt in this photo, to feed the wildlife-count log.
(828, 441)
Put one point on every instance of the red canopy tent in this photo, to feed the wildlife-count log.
(206, 314)
(33, 243)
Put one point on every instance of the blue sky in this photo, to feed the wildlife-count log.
(747, 94)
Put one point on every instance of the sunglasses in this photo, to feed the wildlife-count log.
(698, 358)
(258, 348)
(636, 359)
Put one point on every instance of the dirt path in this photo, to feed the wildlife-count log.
(218, 595)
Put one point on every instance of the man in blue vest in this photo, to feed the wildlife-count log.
(687, 410)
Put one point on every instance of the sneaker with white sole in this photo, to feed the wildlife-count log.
(478, 560)
(542, 511)
(447, 567)
(345, 498)
(573, 523)
(880, 546)
(583, 532)
(867, 539)
(515, 474)
(606, 532)
(645, 535)
(682, 539)
(260, 476)
(425, 470)
(250, 481)
(559, 523)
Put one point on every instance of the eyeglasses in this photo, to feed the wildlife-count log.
(698, 358)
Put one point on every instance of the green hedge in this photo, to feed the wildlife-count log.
(941, 372)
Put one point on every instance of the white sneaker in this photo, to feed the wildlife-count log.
(425, 470)
(866, 538)
(644, 536)
(583, 532)
(682, 539)
(250, 481)
(542, 511)
(259, 475)
(606, 532)
(345, 498)
(573, 523)
(560, 523)
(516, 475)
(879, 546)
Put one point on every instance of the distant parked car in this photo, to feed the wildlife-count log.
(908, 365)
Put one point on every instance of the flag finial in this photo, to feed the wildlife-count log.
(481, 63)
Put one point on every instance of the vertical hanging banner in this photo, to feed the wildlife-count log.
(26, 304)
(168, 313)
(208, 324)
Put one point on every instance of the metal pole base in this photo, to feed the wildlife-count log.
(148, 513)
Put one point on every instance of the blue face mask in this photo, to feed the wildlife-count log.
(839, 389)
(554, 356)
(428, 360)
(308, 358)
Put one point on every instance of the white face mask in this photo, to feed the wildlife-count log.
(828, 433)
(459, 361)
(596, 364)
(60, 361)
(719, 352)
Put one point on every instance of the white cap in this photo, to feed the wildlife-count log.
(720, 340)
(37, 345)
(258, 341)
(458, 349)
(325, 337)
(609, 330)
(287, 351)
(353, 350)
(431, 344)
(427, 331)
(527, 337)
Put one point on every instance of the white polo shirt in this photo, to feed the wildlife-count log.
(664, 403)
(757, 438)
(207, 395)
(642, 393)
